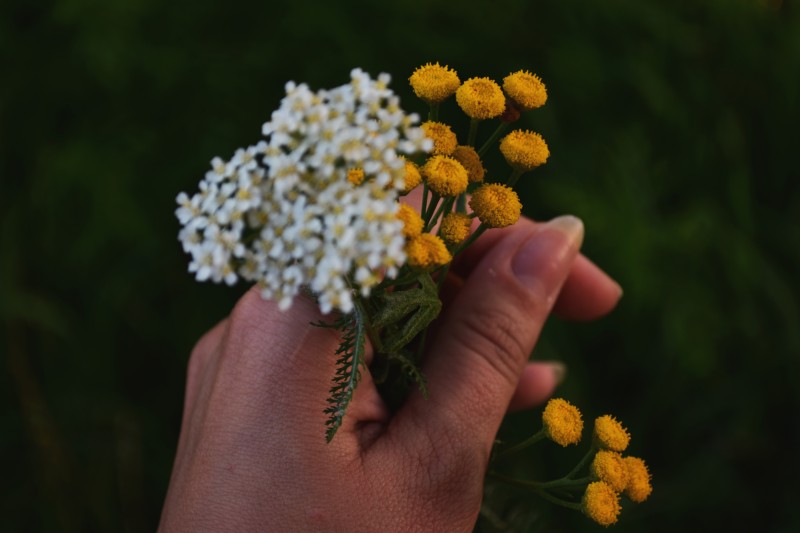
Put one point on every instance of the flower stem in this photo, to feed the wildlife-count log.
(533, 439)
(461, 203)
(496, 135)
(535, 486)
(433, 111)
(582, 462)
(512, 180)
(563, 483)
(431, 209)
(473, 131)
(472, 238)
(445, 207)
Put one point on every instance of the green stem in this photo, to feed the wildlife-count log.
(563, 483)
(538, 489)
(496, 135)
(472, 238)
(428, 214)
(533, 439)
(558, 501)
(445, 207)
(443, 275)
(473, 131)
(433, 111)
(581, 463)
(512, 180)
(461, 203)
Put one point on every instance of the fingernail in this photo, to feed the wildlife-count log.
(570, 225)
(539, 262)
(559, 370)
(619, 289)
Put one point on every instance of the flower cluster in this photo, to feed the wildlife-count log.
(313, 206)
(455, 168)
(610, 473)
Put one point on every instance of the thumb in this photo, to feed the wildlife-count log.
(486, 334)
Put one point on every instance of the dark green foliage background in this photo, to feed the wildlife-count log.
(673, 129)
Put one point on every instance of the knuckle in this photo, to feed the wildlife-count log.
(497, 336)
(205, 348)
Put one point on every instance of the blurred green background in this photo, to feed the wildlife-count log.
(673, 127)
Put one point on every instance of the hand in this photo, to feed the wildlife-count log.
(252, 454)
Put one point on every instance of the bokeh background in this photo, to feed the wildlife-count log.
(673, 127)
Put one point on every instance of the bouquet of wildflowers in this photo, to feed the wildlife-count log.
(316, 207)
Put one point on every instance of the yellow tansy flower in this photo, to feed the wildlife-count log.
(601, 503)
(445, 176)
(412, 221)
(444, 140)
(609, 434)
(496, 205)
(355, 176)
(455, 227)
(562, 422)
(481, 98)
(524, 150)
(639, 486)
(427, 251)
(526, 90)
(434, 83)
(609, 466)
(469, 158)
(411, 178)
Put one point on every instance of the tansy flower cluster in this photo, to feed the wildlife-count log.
(454, 176)
(610, 474)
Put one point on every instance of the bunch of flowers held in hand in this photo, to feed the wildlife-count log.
(315, 207)
(610, 474)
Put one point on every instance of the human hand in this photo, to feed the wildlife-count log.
(252, 454)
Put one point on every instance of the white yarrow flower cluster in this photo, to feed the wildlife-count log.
(282, 213)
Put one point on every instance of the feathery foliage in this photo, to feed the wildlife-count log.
(350, 355)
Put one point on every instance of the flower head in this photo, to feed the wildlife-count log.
(434, 83)
(454, 228)
(355, 176)
(601, 503)
(496, 205)
(294, 194)
(481, 98)
(469, 158)
(526, 90)
(524, 150)
(562, 422)
(609, 434)
(639, 486)
(427, 251)
(445, 176)
(609, 466)
(411, 178)
(412, 222)
(444, 140)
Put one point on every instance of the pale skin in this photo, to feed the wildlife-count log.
(252, 454)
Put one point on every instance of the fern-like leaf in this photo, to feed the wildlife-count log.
(413, 372)
(350, 357)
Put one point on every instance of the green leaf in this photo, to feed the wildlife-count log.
(350, 357)
(411, 370)
(405, 313)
